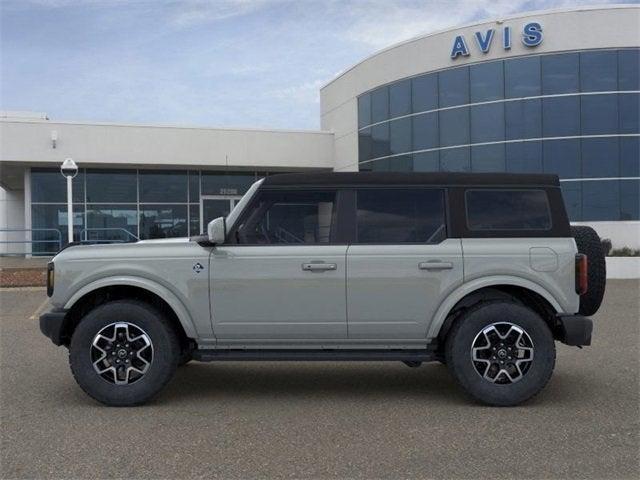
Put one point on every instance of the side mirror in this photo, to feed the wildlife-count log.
(217, 230)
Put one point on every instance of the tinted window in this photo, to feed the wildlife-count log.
(562, 157)
(487, 158)
(401, 163)
(523, 119)
(454, 127)
(629, 69)
(630, 157)
(425, 131)
(507, 210)
(522, 77)
(163, 221)
(282, 218)
(629, 199)
(424, 93)
(426, 162)
(487, 123)
(560, 73)
(161, 187)
(50, 186)
(380, 140)
(379, 105)
(599, 114)
(216, 183)
(194, 187)
(401, 216)
(572, 195)
(599, 71)
(455, 160)
(112, 222)
(600, 157)
(561, 116)
(108, 186)
(487, 82)
(629, 112)
(194, 220)
(600, 200)
(365, 145)
(54, 217)
(524, 157)
(400, 135)
(454, 87)
(400, 98)
(364, 110)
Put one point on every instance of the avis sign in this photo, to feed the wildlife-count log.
(531, 37)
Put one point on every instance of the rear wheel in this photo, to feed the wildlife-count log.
(588, 242)
(501, 353)
(122, 353)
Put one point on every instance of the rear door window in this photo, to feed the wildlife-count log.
(401, 216)
(507, 210)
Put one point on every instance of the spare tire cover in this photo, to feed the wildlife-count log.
(588, 242)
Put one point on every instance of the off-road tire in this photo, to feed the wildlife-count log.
(459, 343)
(166, 352)
(588, 242)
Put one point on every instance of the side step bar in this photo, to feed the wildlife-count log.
(422, 355)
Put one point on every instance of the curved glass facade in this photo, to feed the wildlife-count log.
(574, 114)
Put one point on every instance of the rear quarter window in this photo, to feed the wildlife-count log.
(502, 209)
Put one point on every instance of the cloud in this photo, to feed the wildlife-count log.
(195, 12)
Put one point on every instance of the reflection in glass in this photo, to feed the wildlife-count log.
(364, 110)
(380, 140)
(380, 104)
(561, 116)
(163, 221)
(425, 131)
(572, 195)
(424, 94)
(523, 119)
(400, 135)
(48, 185)
(365, 145)
(599, 71)
(629, 112)
(600, 200)
(454, 87)
(426, 161)
(163, 186)
(600, 157)
(111, 222)
(522, 77)
(400, 98)
(488, 158)
(524, 157)
(487, 123)
(562, 157)
(226, 183)
(629, 199)
(110, 186)
(454, 127)
(54, 217)
(560, 73)
(455, 160)
(599, 114)
(629, 69)
(487, 81)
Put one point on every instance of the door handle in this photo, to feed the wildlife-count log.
(435, 265)
(319, 267)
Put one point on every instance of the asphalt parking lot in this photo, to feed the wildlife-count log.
(322, 420)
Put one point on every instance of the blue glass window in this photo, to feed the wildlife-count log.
(487, 81)
(599, 114)
(524, 157)
(400, 135)
(48, 185)
(112, 186)
(425, 131)
(488, 158)
(522, 77)
(380, 165)
(425, 92)
(629, 112)
(560, 73)
(380, 140)
(629, 199)
(629, 69)
(599, 71)
(454, 87)
(380, 105)
(401, 163)
(572, 195)
(487, 123)
(454, 127)
(562, 157)
(161, 187)
(600, 200)
(600, 157)
(400, 98)
(523, 119)
(561, 116)
(365, 145)
(364, 110)
(455, 160)
(426, 161)
(630, 157)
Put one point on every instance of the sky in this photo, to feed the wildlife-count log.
(217, 63)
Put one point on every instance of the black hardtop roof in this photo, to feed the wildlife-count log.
(392, 178)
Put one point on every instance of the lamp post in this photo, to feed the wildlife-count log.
(69, 169)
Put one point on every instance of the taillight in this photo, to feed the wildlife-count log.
(50, 278)
(582, 282)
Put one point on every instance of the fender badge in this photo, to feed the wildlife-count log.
(198, 267)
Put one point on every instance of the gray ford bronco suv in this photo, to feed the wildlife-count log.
(481, 272)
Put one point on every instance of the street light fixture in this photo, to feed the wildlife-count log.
(69, 169)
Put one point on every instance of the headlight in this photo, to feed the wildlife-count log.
(51, 276)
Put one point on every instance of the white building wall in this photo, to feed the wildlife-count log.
(11, 217)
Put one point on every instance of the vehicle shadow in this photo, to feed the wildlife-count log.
(291, 380)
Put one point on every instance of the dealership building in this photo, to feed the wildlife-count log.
(554, 91)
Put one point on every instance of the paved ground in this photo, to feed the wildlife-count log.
(322, 420)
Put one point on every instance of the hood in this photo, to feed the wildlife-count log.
(143, 248)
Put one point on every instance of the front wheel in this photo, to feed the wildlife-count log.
(501, 353)
(123, 352)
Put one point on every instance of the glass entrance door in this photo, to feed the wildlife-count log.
(214, 206)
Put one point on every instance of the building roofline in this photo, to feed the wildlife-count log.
(168, 126)
(480, 22)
